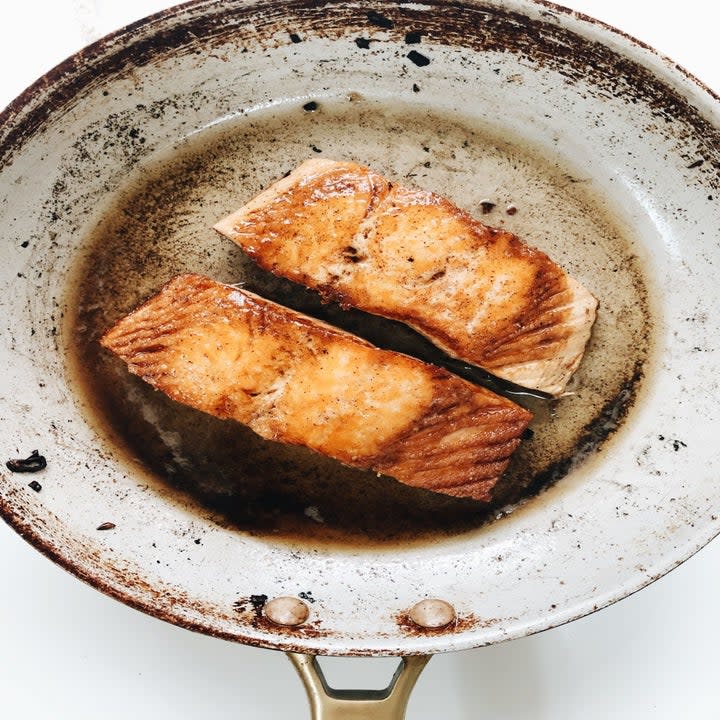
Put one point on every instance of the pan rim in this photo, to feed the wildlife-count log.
(415, 645)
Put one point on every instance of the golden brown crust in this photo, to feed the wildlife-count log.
(293, 379)
(479, 293)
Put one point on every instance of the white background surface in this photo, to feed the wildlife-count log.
(66, 651)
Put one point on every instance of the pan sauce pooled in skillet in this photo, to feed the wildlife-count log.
(478, 293)
(297, 380)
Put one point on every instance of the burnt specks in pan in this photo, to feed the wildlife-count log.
(418, 58)
(295, 38)
(106, 526)
(253, 604)
(35, 485)
(413, 37)
(675, 443)
(311, 106)
(24, 243)
(511, 209)
(31, 464)
(375, 18)
(258, 602)
(486, 206)
(363, 43)
(415, 88)
(545, 42)
(696, 164)
(252, 611)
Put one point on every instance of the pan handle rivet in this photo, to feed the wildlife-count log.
(287, 611)
(432, 613)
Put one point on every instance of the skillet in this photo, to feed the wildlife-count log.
(644, 472)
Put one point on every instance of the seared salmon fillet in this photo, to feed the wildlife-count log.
(478, 293)
(296, 380)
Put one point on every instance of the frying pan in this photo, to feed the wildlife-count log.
(593, 137)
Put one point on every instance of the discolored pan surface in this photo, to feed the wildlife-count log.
(159, 224)
(115, 149)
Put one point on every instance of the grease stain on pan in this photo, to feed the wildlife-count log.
(158, 225)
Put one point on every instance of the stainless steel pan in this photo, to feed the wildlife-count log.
(116, 164)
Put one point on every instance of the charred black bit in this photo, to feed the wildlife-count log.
(35, 485)
(258, 602)
(24, 243)
(677, 444)
(362, 43)
(106, 526)
(295, 38)
(413, 37)
(198, 541)
(315, 148)
(418, 58)
(426, 164)
(510, 209)
(487, 206)
(311, 106)
(416, 87)
(380, 20)
(696, 164)
(33, 463)
(527, 434)
(307, 596)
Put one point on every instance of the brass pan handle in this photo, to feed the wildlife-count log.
(330, 704)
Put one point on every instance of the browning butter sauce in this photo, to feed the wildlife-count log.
(160, 224)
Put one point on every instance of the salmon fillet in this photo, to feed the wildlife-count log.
(478, 293)
(297, 380)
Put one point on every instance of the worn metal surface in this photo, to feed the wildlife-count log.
(116, 164)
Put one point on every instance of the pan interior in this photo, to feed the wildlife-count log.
(158, 224)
